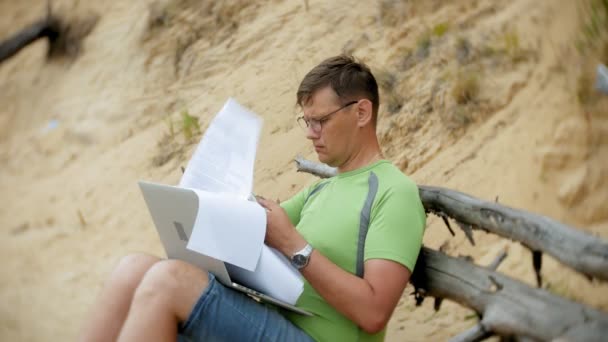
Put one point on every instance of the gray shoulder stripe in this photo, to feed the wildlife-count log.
(315, 190)
(364, 220)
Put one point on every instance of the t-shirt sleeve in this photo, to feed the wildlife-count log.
(294, 205)
(396, 226)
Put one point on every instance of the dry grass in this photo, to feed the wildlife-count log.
(594, 31)
(585, 91)
(440, 29)
(392, 12)
(466, 87)
(170, 145)
(175, 25)
(391, 101)
(463, 50)
(507, 45)
(423, 45)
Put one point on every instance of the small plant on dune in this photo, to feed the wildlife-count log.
(189, 125)
(392, 13)
(513, 48)
(387, 82)
(466, 88)
(423, 45)
(440, 29)
(594, 30)
(463, 50)
(585, 91)
(393, 103)
(507, 44)
(168, 146)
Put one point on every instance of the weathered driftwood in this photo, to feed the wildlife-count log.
(64, 36)
(44, 28)
(477, 333)
(575, 248)
(507, 307)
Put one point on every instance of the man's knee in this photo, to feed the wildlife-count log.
(172, 285)
(137, 260)
(131, 268)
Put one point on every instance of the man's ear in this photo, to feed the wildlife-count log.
(364, 112)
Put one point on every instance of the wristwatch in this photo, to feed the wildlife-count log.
(300, 259)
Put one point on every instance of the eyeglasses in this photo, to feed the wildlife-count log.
(317, 124)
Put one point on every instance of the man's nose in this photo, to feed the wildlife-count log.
(311, 134)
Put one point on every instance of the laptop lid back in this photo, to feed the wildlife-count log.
(174, 211)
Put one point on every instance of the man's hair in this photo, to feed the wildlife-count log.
(347, 77)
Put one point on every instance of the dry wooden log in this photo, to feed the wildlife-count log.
(507, 307)
(575, 248)
(581, 251)
(44, 28)
(64, 36)
(477, 333)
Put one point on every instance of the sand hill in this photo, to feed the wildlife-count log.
(481, 96)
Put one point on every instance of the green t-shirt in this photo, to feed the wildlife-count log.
(328, 215)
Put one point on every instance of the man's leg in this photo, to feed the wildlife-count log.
(112, 305)
(165, 297)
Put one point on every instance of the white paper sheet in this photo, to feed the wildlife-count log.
(274, 276)
(224, 159)
(228, 228)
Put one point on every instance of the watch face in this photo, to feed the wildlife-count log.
(299, 260)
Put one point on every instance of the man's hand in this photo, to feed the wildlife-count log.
(280, 233)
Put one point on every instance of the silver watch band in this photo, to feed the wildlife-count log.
(300, 258)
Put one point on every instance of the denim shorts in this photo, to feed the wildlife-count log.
(223, 314)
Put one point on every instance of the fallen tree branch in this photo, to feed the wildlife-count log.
(581, 251)
(64, 36)
(477, 333)
(508, 307)
(44, 28)
(498, 260)
(575, 248)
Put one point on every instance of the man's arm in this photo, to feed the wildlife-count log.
(367, 301)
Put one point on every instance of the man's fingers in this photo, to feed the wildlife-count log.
(266, 204)
(261, 200)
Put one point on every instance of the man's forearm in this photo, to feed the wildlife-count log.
(352, 296)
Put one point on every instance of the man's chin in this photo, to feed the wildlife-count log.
(325, 160)
(322, 158)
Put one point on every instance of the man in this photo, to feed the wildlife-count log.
(354, 237)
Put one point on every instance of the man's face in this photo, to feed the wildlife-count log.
(335, 140)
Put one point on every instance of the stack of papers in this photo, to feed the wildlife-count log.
(230, 226)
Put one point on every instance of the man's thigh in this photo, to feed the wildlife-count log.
(223, 314)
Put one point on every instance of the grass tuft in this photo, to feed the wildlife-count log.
(189, 125)
(466, 87)
(423, 45)
(441, 29)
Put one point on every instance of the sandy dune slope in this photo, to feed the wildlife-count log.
(479, 96)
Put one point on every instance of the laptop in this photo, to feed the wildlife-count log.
(174, 211)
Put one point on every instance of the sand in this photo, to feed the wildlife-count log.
(77, 134)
